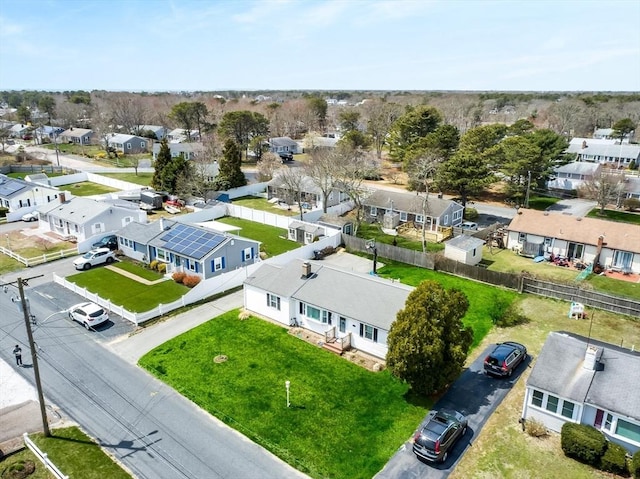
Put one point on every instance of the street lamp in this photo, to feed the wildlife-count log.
(287, 384)
(371, 244)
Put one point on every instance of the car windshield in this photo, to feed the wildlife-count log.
(88, 255)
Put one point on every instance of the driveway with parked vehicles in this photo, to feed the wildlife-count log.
(475, 395)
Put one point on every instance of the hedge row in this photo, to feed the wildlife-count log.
(588, 445)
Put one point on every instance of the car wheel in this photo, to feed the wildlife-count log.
(71, 316)
(109, 260)
(509, 373)
(464, 431)
(86, 266)
(86, 326)
(445, 456)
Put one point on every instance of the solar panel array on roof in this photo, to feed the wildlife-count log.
(9, 187)
(190, 241)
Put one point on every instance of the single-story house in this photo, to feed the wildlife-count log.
(615, 155)
(607, 133)
(392, 208)
(85, 220)
(126, 144)
(303, 232)
(581, 380)
(192, 249)
(19, 130)
(573, 175)
(22, 196)
(466, 249)
(352, 310)
(79, 136)
(190, 151)
(311, 193)
(615, 244)
(178, 135)
(159, 131)
(39, 178)
(632, 188)
(49, 132)
(283, 144)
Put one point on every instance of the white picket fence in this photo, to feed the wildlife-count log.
(44, 258)
(43, 458)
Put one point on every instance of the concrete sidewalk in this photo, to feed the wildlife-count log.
(132, 348)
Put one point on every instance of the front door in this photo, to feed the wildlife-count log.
(598, 422)
(343, 324)
(575, 251)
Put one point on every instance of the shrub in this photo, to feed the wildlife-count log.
(512, 317)
(3, 211)
(470, 213)
(582, 442)
(154, 264)
(535, 428)
(614, 459)
(631, 204)
(191, 280)
(162, 268)
(635, 465)
(178, 276)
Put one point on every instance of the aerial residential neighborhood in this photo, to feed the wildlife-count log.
(321, 249)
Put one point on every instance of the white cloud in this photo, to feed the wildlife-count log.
(9, 29)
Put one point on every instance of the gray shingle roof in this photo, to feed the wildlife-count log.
(363, 298)
(10, 187)
(407, 202)
(465, 242)
(614, 386)
(76, 210)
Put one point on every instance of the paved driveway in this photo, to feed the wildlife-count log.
(473, 394)
(574, 207)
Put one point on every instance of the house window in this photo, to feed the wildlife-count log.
(547, 242)
(522, 237)
(292, 234)
(217, 263)
(126, 220)
(446, 220)
(373, 211)
(537, 398)
(567, 409)
(273, 301)
(622, 259)
(628, 430)
(128, 146)
(247, 254)
(457, 215)
(403, 216)
(191, 264)
(313, 313)
(162, 255)
(369, 332)
(142, 144)
(420, 219)
(607, 422)
(552, 404)
(97, 228)
(326, 317)
(308, 238)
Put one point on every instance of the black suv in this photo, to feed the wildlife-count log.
(504, 358)
(443, 429)
(110, 242)
(286, 156)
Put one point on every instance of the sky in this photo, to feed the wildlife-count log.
(328, 45)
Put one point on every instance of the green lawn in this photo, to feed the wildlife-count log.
(8, 264)
(485, 301)
(22, 175)
(86, 188)
(541, 203)
(138, 270)
(344, 421)
(614, 215)
(374, 231)
(122, 291)
(274, 240)
(73, 452)
(142, 179)
(262, 204)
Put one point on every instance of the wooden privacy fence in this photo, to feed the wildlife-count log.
(521, 283)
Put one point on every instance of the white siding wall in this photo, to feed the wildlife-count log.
(256, 300)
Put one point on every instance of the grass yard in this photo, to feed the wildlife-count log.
(7, 264)
(485, 301)
(122, 291)
(508, 262)
(141, 271)
(541, 203)
(502, 449)
(73, 452)
(142, 179)
(261, 204)
(22, 175)
(614, 215)
(86, 188)
(344, 421)
(374, 231)
(274, 240)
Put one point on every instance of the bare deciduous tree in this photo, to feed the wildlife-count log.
(604, 188)
(321, 169)
(292, 182)
(421, 171)
(129, 113)
(379, 115)
(268, 165)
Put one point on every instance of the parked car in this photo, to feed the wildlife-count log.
(504, 358)
(286, 156)
(110, 241)
(469, 225)
(88, 314)
(33, 216)
(436, 438)
(94, 257)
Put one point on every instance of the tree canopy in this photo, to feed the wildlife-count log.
(410, 128)
(242, 126)
(230, 175)
(428, 343)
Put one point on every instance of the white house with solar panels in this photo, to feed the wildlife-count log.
(21, 197)
(189, 248)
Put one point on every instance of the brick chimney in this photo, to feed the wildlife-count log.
(62, 197)
(306, 269)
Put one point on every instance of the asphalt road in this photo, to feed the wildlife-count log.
(151, 429)
(475, 395)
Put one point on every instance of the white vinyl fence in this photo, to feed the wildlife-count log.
(42, 457)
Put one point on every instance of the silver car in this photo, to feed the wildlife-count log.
(88, 314)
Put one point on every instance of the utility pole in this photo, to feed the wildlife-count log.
(34, 357)
(526, 198)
